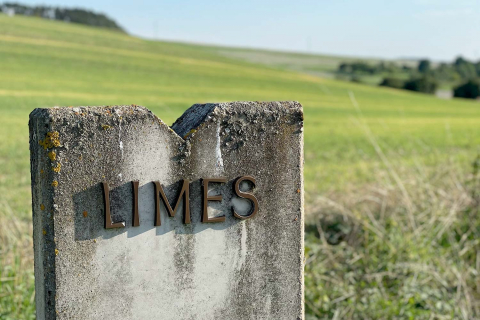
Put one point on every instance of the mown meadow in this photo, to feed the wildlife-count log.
(390, 176)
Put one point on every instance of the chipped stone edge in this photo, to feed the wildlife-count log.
(199, 114)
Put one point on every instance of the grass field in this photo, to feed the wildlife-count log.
(356, 137)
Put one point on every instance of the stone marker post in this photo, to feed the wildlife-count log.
(136, 220)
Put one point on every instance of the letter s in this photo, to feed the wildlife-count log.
(245, 195)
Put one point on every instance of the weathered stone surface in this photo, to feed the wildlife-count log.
(237, 269)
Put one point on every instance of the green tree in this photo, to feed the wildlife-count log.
(344, 68)
(393, 83)
(465, 68)
(71, 15)
(477, 68)
(469, 90)
(446, 73)
(424, 66)
(423, 84)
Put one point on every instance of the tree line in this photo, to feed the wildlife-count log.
(63, 14)
(462, 75)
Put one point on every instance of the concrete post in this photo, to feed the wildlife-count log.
(137, 220)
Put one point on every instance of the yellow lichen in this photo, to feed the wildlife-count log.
(52, 155)
(85, 214)
(42, 207)
(57, 168)
(44, 232)
(105, 126)
(55, 184)
(41, 171)
(52, 139)
(56, 251)
(189, 133)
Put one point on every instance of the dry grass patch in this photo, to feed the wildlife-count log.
(404, 248)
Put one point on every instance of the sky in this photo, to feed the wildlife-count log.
(435, 29)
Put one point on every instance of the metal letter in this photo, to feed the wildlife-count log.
(108, 218)
(245, 195)
(186, 202)
(158, 187)
(135, 218)
(206, 198)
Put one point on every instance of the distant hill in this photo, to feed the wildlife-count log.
(63, 14)
(358, 140)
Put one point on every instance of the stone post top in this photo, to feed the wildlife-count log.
(198, 113)
(191, 119)
(253, 106)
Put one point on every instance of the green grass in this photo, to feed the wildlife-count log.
(47, 63)
(404, 249)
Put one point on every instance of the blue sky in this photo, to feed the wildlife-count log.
(438, 29)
